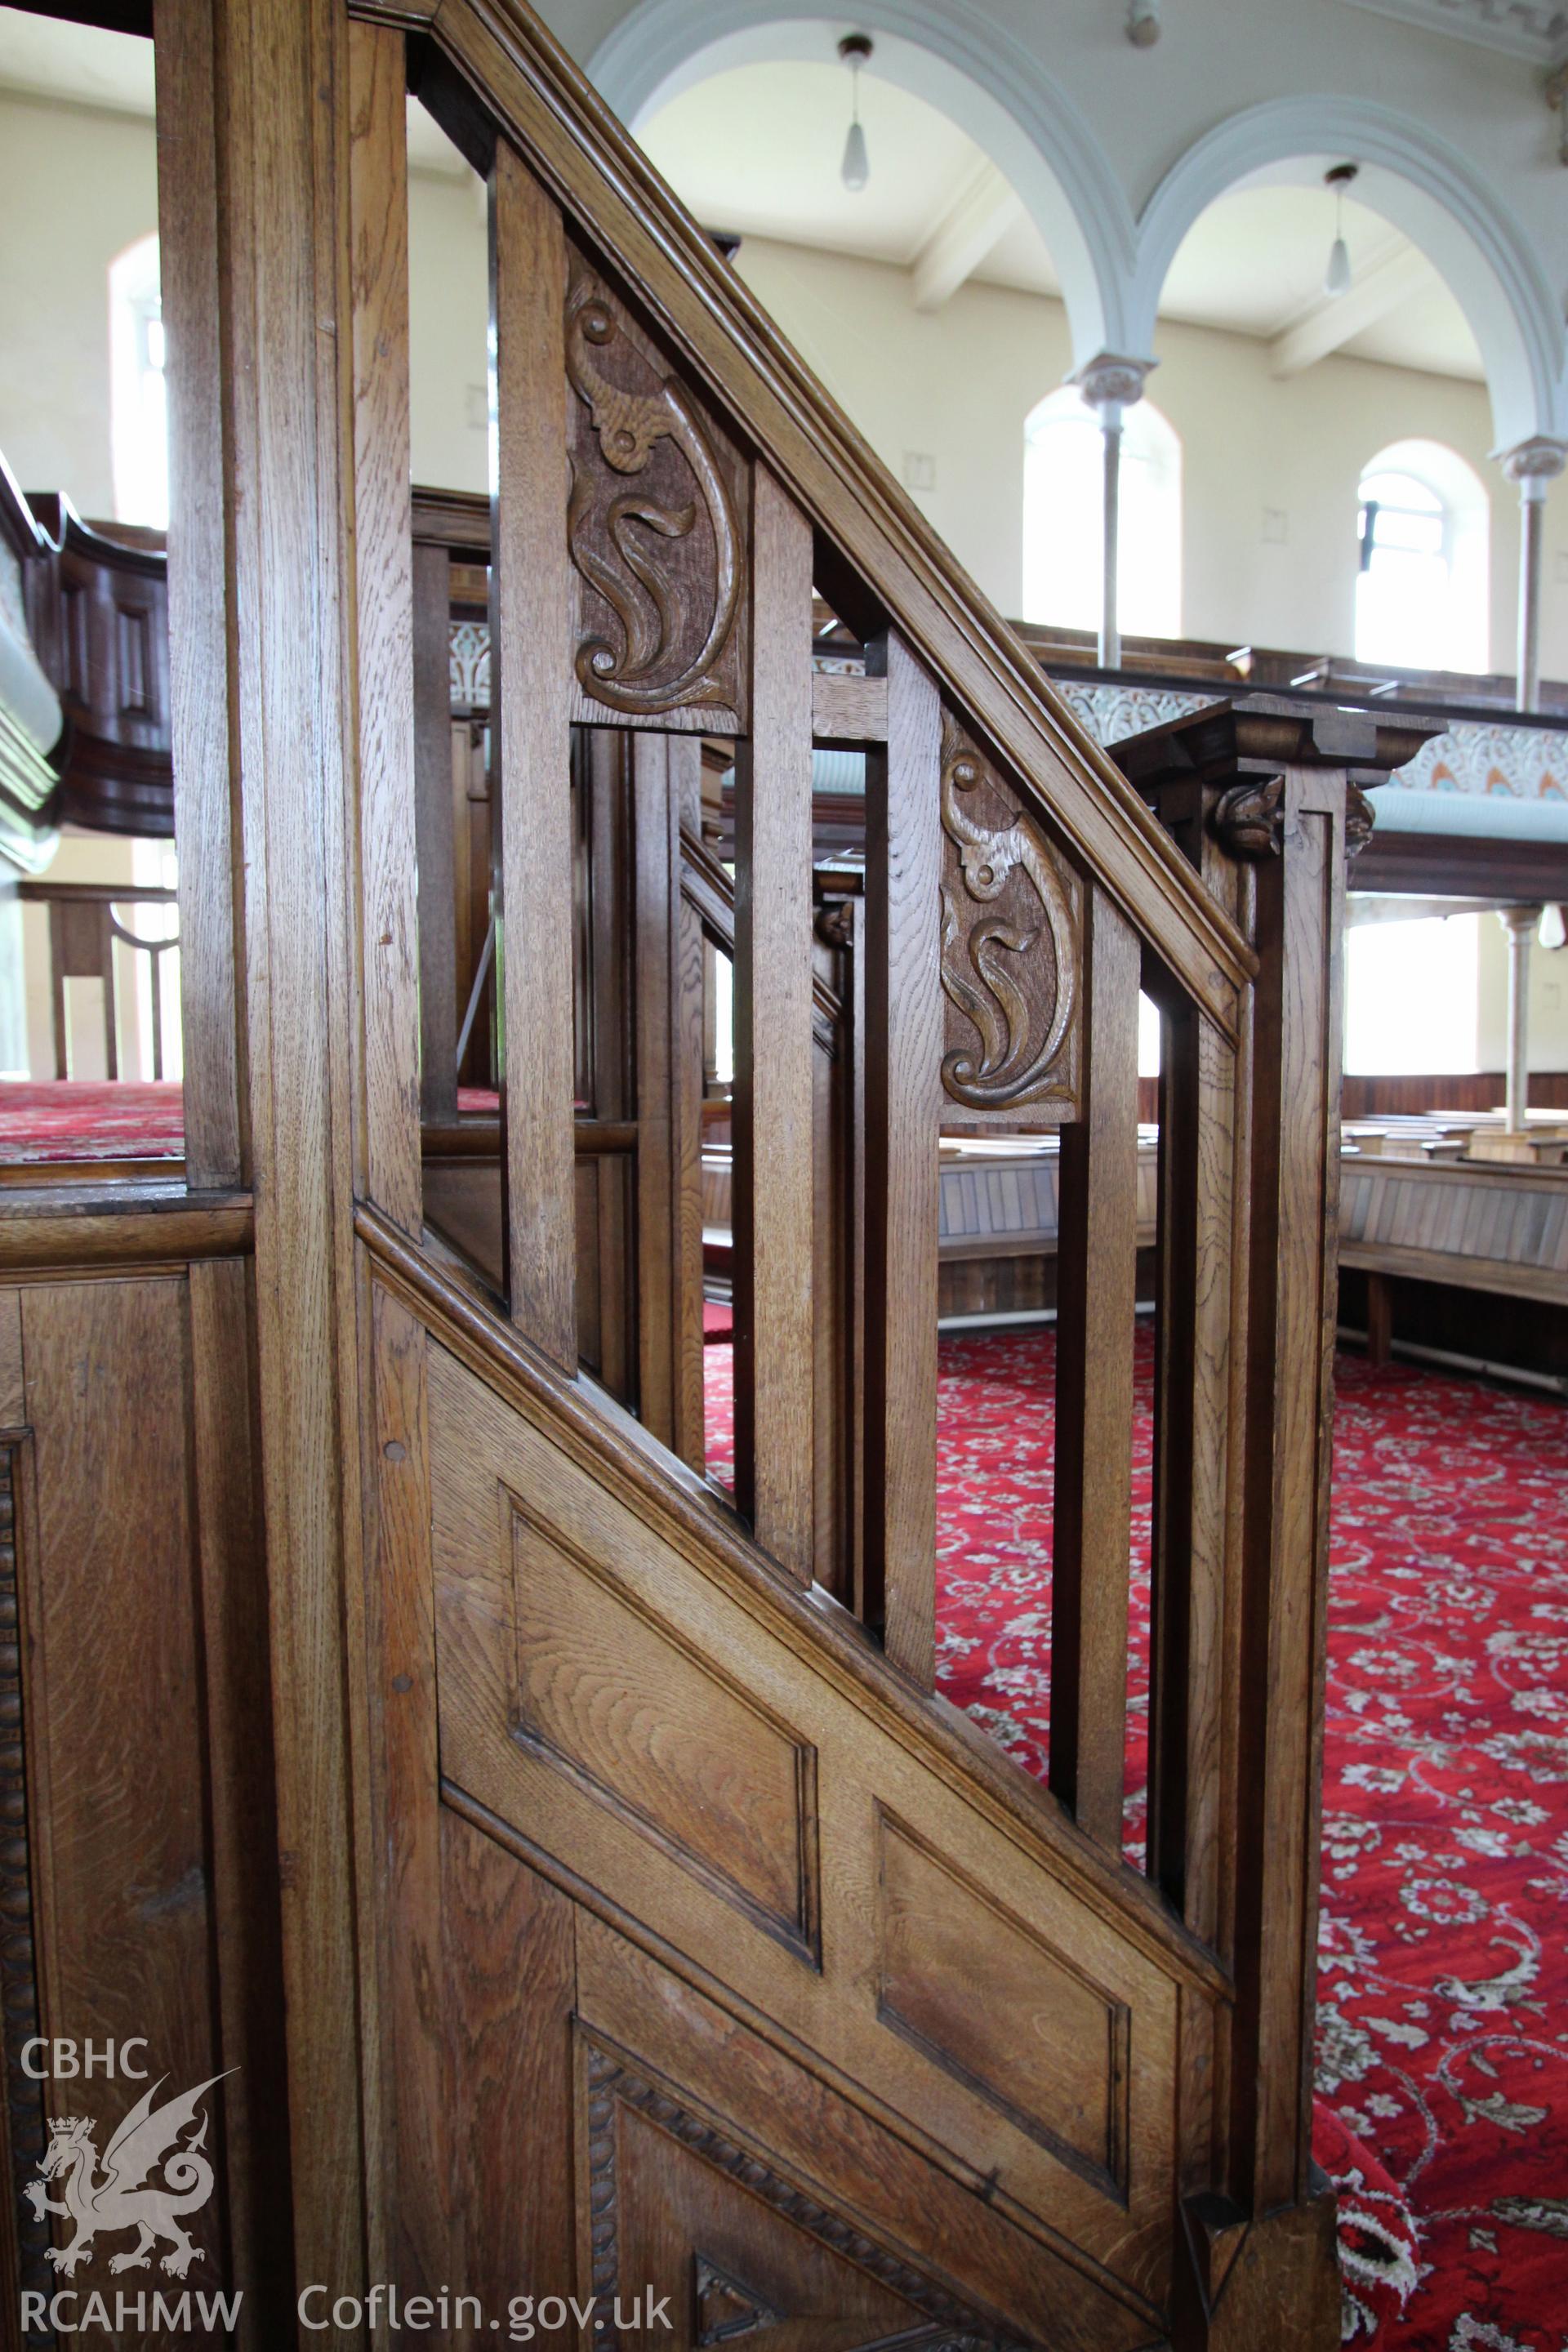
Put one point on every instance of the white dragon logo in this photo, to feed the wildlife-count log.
(121, 2200)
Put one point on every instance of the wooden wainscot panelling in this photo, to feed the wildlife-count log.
(13, 1404)
(114, 1690)
(660, 1735)
(137, 1899)
(635, 1723)
(23, 2234)
(111, 1229)
(991, 2001)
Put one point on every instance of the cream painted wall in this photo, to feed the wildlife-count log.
(1548, 1002)
(957, 385)
(449, 290)
(75, 188)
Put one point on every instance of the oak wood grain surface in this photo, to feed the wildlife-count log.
(903, 1016)
(530, 697)
(383, 618)
(774, 1258)
(1092, 1486)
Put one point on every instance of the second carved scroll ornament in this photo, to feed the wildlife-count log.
(994, 965)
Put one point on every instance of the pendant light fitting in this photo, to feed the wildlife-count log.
(856, 169)
(1337, 278)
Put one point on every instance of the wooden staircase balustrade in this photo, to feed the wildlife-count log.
(647, 1920)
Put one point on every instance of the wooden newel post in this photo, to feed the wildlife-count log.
(1266, 799)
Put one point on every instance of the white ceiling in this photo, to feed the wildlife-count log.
(757, 149)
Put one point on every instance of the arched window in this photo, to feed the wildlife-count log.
(1063, 506)
(139, 411)
(1421, 594)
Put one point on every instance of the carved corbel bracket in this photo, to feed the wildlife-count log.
(1249, 819)
(1010, 945)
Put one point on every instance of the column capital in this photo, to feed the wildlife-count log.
(1534, 463)
(1111, 381)
(1522, 921)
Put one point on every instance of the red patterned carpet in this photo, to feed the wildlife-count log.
(72, 1119)
(66, 1119)
(1443, 1982)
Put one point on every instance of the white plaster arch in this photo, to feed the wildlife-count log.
(1429, 192)
(979, 76)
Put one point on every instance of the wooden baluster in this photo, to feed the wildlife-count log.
(832, 1109)
(440, 1012)
(1293, 1312)
(667, 780)
(903, 1032)
(656, 911)
(773, 1149)
(155, 990)
(606, 1045)
(1193, 1625)
(1096, 1297)
(688, 1016)
(205, 823)
(530, 707)
(855, 1483)
(383, 567)
(82, 947)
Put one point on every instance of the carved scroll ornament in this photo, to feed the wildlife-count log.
(662, 558)
(1009, 944)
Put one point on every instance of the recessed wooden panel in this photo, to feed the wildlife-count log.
(799, 2154)
(653, 1731)
(681, 1643)
(679, 2211)
(991, 2001)
(112, 1676)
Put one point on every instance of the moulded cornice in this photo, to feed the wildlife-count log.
(1535, 29)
